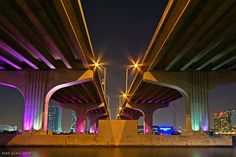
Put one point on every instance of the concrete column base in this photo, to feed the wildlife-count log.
(193, 133)
(25, 132)
(38, 132)
(50, 132)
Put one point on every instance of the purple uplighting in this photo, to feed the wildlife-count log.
(91, 130)
(2, 68)
(7, 48)
(10, 63)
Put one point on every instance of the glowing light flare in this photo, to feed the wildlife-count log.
(134, 64)
(91, 131)
(123, 94)
(96, 64)
(80, 129)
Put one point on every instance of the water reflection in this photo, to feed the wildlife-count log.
(116, 152)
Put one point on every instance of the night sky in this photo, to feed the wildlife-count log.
(118, 29)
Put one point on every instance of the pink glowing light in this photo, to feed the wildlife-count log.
(8, 85)
(81, 130)
(91, 130)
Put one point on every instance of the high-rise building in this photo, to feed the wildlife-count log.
(225, 122)
(54, 118)
(8, 128)
(233, 118)
(221, 121)
(74, 119)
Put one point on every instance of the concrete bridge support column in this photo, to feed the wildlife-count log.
(59, 79)
(92, 119)
(33, 86)
(37, 87)
(34, 95)
(97, 125)
(198, 97)
(147, 111)
(81, 121)
(148, 122)
(188, 122)
(82, 111)
(195, 87)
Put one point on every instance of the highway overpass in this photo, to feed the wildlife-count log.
(192, 51)
(46, 53)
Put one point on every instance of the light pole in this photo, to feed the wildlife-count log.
(107, 99)
(119, 108)
(125, 95)
(174, 116)
(127, 76)
(104, 79)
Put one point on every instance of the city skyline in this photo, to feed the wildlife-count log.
(54, 117)
(221, 99)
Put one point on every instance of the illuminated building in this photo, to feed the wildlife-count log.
(8, 128)
(160, 130)
(233, 119)
(225, 122)
(74, 119)
(54, 118)
(165, 130)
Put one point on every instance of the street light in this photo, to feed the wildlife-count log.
(134, 66)
(117, 116)
(122, 96)
(96, 64)
(104, 79)
(100, 67)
